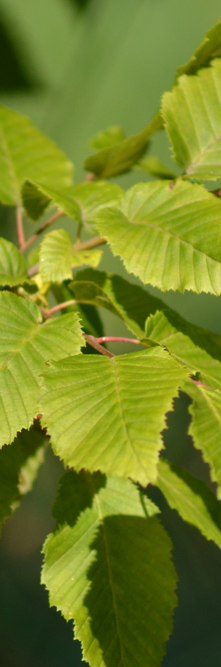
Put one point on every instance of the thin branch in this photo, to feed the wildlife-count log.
(48, 313)
(116, 339)
(20, 230)
(93, 342)
(89, 177)
(91, 243)
(33, 270)
(41, 229)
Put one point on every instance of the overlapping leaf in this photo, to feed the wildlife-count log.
(111, 572)
(170, 237)
(197, 348)
(58, 256)
(25, 153)
(80, 202)
(192, 499)
(26, 344)
(206, 425)
(118, 159)
(192, 114)
(19, 465)
(13, 267)
(107, 414)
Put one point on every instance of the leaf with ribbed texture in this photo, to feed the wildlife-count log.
(13, 267)
(111, 572)
(19, 465)
(195, 347)
(209, 48)
(58, 257)
(205, 426)
(25, 153)
(26, 344)
(108, 414)
(192, 499)
(80, 202)
(192, 114)
(118, 159)
(169, 237)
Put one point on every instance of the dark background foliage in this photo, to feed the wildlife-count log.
(75, 67)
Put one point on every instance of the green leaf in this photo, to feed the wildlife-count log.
(13, 267)
(34, 200)
(209, 48)
(118, 159)
(153, 166)
(19, 465)
(109, 137)
(80, 202)
(112, 574)
(192, 114)
(193, 346)
(192, 499)
(129, 302)
(169, 237)
(25, 153)
(206, 425)
(25, 346)
(125, 399)
(58, 257)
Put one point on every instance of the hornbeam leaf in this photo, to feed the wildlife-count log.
(129, 302)
(111, 572)
(169, 237)
(118, 159)
(25, 153)
(58, 257)
(209, 48)
(80, 202)
(195, 347)
(109, 137)
(25, 346)
(13, 267)
(206, 425)
(192, 499)
(19, 466)
(192, 114)
(108, 414)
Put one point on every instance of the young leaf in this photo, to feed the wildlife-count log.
(153, 166)
(169, 237)
(192, 499)
(25, 153)
(58, 257)
(195, 347)
(25, 346)
(124, 400)
(109, 137)
(13, 267)
(192, 114)
(34, 200)
(205, 426)
(111, 572)
(209, 48)
(118, 159)
(19, 466)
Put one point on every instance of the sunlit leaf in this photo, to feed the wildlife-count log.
(13, 267)
(96, 405)
(25, 153)
(192, 114)
(192, 499)
(111, 572)
(169, 237)
(26, 344)
(58, 257)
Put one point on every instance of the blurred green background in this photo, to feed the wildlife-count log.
(75, 67)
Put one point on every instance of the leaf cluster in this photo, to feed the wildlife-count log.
(108, 565)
